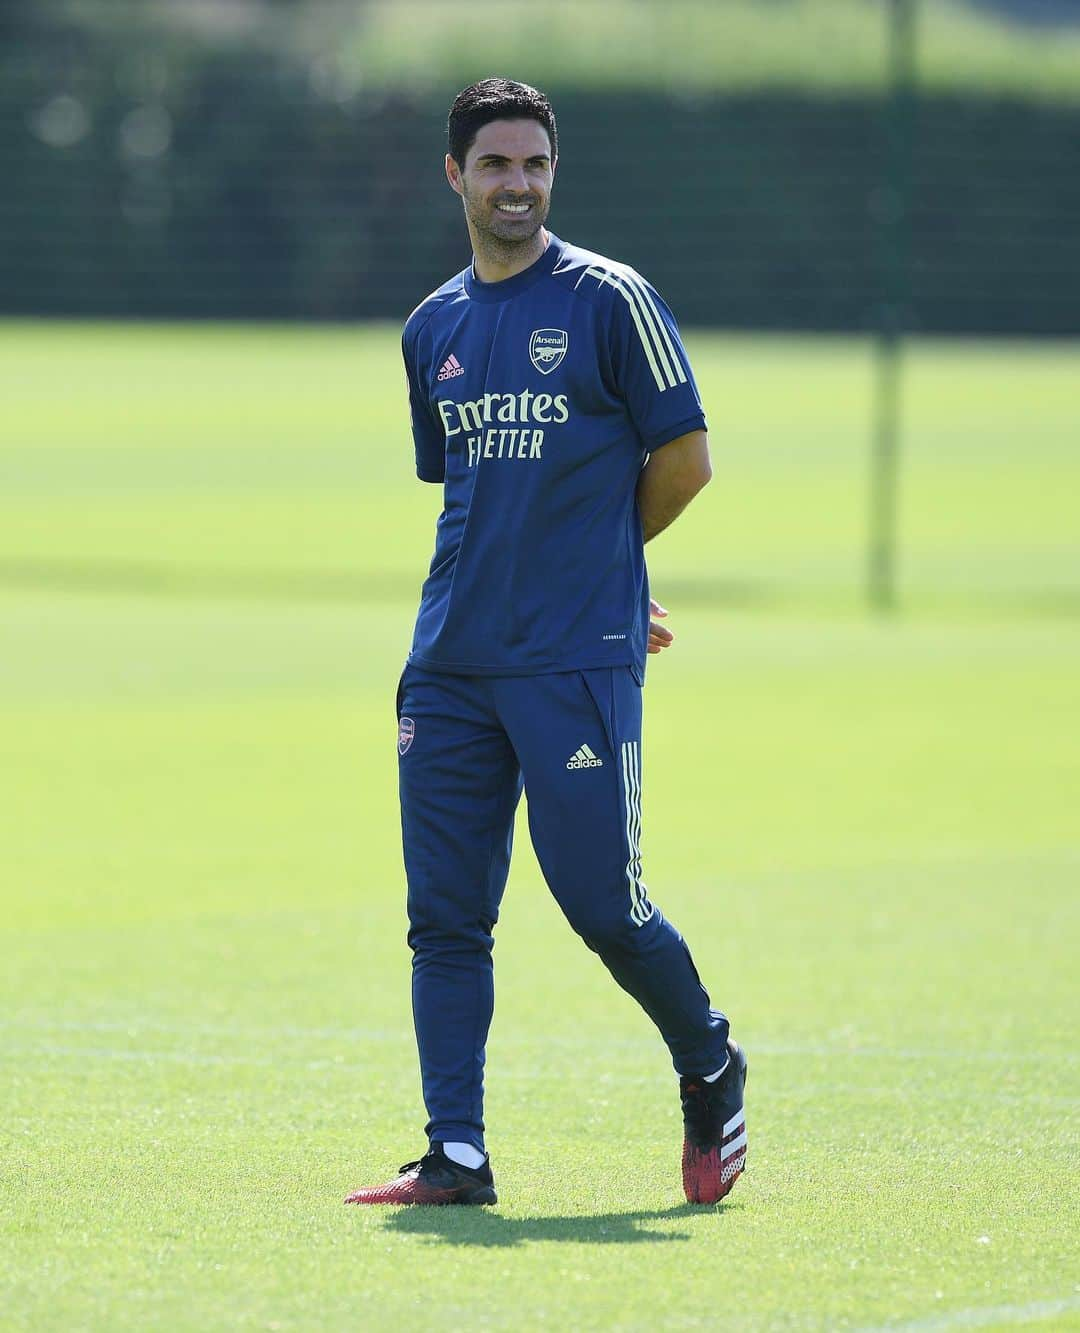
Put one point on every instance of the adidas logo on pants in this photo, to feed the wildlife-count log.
(584, 758)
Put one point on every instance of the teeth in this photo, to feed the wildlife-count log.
(513, 208)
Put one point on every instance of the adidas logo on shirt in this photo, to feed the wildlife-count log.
(450, 368)
(584, 758)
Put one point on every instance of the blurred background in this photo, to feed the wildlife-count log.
(861, 769)
(278, 158)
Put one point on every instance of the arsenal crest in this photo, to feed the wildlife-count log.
(547, 347)
(405, 732)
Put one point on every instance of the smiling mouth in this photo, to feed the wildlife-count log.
(513, 210)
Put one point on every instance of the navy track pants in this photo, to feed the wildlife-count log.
(466, 746)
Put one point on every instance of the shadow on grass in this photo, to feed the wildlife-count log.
(352, 586)
(481, 1227)
(349, 586)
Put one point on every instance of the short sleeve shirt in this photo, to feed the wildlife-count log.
(535, 402)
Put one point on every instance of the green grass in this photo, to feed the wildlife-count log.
(210, 547)
(699, 45)
(692, 46)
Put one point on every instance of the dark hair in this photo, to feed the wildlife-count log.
(496, 99)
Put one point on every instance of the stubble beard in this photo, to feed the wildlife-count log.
(495, 246)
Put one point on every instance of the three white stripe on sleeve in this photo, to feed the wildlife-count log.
(665, 360)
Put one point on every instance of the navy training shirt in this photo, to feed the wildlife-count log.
(535, 401)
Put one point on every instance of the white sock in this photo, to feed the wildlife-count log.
(464, 1154)
(711, 1078)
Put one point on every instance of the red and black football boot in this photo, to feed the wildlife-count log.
(434, 1179)
(714, 1142)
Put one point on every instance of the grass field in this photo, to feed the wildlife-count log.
(824, 46)
(821, 45)
(210, 550)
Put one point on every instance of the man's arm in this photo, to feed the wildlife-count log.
(428, 439)
(670, 479)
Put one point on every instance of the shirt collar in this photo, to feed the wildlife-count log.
(509, 287)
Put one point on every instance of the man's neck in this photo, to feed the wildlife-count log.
(495, 261)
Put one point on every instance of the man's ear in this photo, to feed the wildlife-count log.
(453, 175)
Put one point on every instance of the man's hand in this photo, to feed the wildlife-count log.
(659, 637)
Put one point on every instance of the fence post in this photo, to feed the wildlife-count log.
(891, 214)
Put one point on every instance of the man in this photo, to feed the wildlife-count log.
(552, 398)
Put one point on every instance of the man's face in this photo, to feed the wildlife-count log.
(506, 180)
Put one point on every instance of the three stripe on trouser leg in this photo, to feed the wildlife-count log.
(640, 907)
